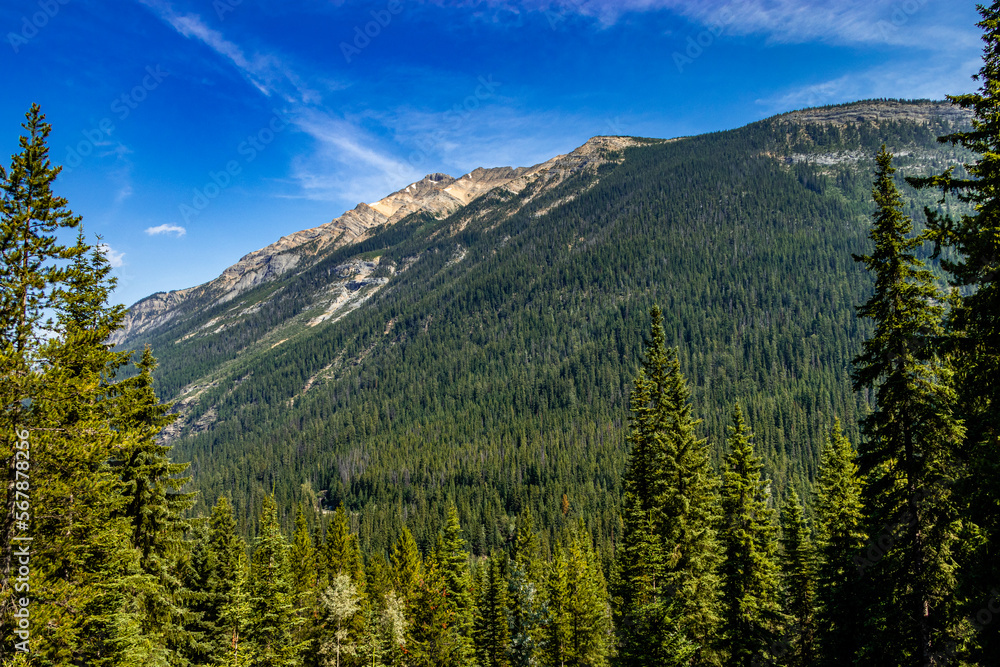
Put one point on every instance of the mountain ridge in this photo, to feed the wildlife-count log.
(436, 194)
(485, 357)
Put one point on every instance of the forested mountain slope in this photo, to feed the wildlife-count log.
(484, 353)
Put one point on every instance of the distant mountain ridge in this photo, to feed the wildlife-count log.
(436, 194)
(474, 340)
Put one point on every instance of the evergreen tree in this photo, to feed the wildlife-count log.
(527, 612)
(58, 395)
(204, 600)
(909, 456)
(378, 581)
(434, 638)
(664, 580)
(303, 562)
(973, 327)
(556, 640)
(579, 627)
(840, 542)
(750, 573)
(272, 620)
(154, 506)
(490, 629)
(691, 547)
(799, 578)
(86, 576)
(238, 616)
(343, 555)
(406, 565)
(452, 558)
(227, 556)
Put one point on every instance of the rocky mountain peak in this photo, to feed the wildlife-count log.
(437, 194)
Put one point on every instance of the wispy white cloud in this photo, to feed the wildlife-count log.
(345, 162)
(176, 230)
(896, 81)
(923, 23)
(267, 72)
(115, 259)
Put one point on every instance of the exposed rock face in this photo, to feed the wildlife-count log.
(878, 110)
(441, 195)
(437, 194)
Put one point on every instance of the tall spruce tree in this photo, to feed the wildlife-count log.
(406, 565)
(973, 327)
(57, 394)
(909, 454)
(490, 629)
(750, 573)
(840, 542)
(272, 607)
(798, 573)
(88, 580)
(343, 555)
(453, 559)
(154, 506)
(527, 611)
(579, 629)
(664, 584)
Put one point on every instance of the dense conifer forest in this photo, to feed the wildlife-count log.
(721, 403)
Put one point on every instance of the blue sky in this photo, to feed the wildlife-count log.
(195, 131)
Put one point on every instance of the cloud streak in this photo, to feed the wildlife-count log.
(115, 259)
(898, 81)
(920, 23)
(176, 230)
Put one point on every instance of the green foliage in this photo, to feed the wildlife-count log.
(969, 243)
(490, 630)
(271, 595)
(578, 631)
(798, 573)
(909, 452)
(665, 586)
(509, 378)
(511, 369)
(840, 541)
(750, 573)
